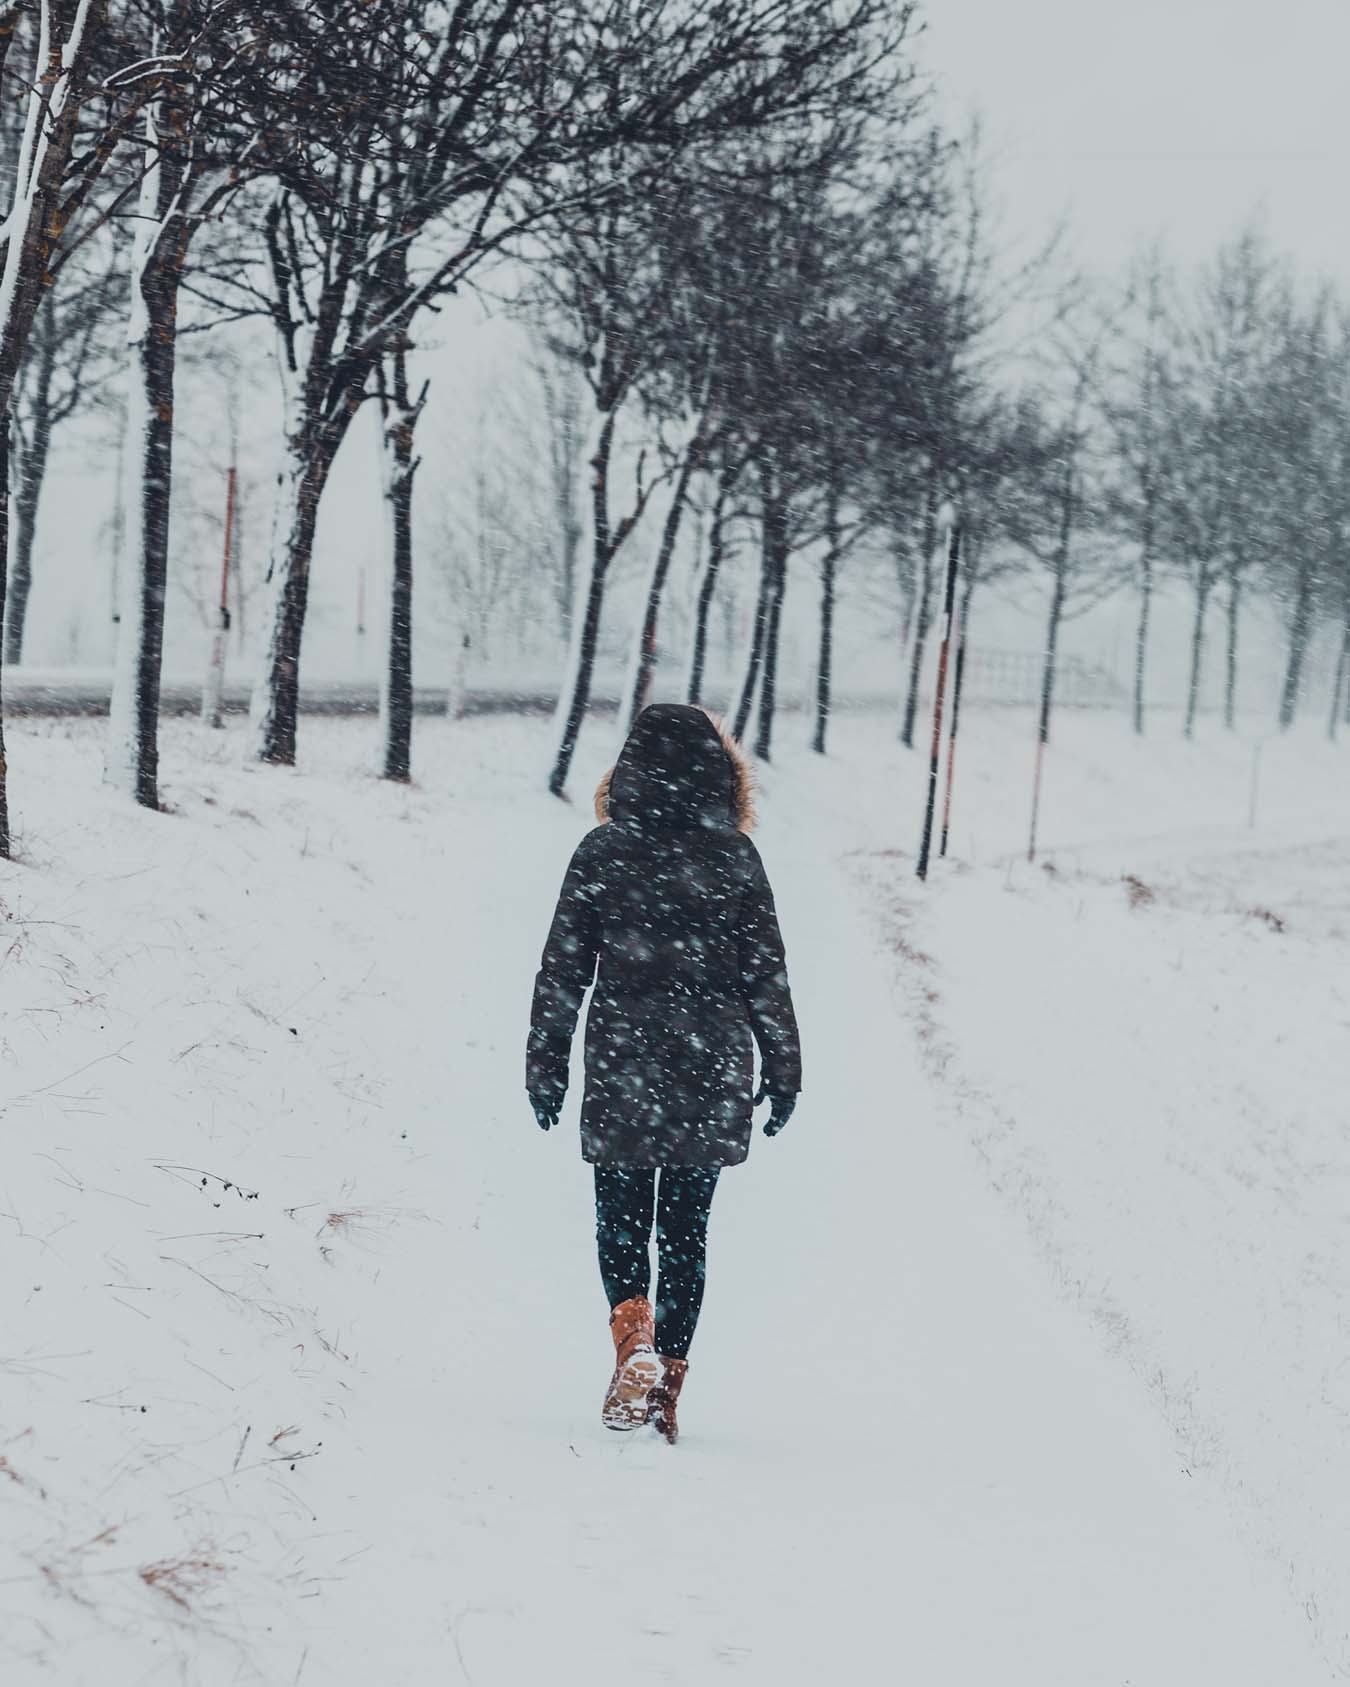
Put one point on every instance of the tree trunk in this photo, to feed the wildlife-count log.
(1051, 663)
(1231, 650)
(567, 588)
(31, 472)
(1300, 635)
(923, 611)
(34, 226)
(644, 664)
(1202, 590)
(825, 663)
(277, 698)
(457, 696)
(1047, 702)
(756, 652)
(563, 416)
(908, 581)
(576, 692)
(396, 689)
(213, 692)
(1058, 598)
(958, 686)
(707, 586)
(1342, 677)
(4, 556)
(237, 573)
(132, 763)
(117, 534)
(1141, 634)
(768, 682)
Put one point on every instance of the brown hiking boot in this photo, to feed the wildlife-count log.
(661, 1400)
(636, 1369)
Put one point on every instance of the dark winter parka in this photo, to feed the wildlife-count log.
(668, 896)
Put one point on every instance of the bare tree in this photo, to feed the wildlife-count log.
(1059, 525)
(50, 183)
(729, 465)
(451, 135)
(1218, 444)
(564, 394)
(231, 103)
(1137, 395)
(491, 532)
(399, 415)
(1305, 487)
(63, 375)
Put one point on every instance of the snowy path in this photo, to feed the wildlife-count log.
(901, 1452)
(903, 1456)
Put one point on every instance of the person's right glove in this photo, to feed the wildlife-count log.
(547, 1100)
(780, 1109)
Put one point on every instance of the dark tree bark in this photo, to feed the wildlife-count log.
(4, 553)
(707, 587)
(1203, 586)
(54, 384)
(562, 406)
(213, 690)
(38, 215)
(1300, 636)
(907, 578)
(825, 662)
(645, 665)
(401, 416)
(1058, 598)
(756, 654)
(776, 523)
(1145, 434)
(1142, 631)
(958, 686)
(606, 542)
(1231, 648)
(133, 729)
(1048, 671)
(1340, 694)
(1338, 686)
(1059, 595)
(923, 610)
(165, 228)
(155, 369)
(309, 473)
(31, 470)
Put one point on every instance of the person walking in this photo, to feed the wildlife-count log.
(667, 908)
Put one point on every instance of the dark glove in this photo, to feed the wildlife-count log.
(547, 1104)
(780, 1109)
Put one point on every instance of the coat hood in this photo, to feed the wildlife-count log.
(679, 767)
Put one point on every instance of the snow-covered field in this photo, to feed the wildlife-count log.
(1023, 1358)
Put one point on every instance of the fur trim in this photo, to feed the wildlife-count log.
(602, 797)
(743, 780)
(743, 776)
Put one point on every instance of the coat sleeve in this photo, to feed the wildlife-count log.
(565, 972)
(764, 982)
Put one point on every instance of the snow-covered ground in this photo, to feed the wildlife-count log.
(1023, 1354)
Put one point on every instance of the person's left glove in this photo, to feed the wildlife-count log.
(547, 1104)
(780, 1109)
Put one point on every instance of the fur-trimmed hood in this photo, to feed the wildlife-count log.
(672, 771)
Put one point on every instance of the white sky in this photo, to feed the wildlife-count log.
(1178, 117)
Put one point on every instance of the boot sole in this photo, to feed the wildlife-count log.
(625, 1405)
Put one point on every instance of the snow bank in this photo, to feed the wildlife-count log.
(304, 1339)
(1144, 1037)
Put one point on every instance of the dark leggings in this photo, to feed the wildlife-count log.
(626, 1201)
